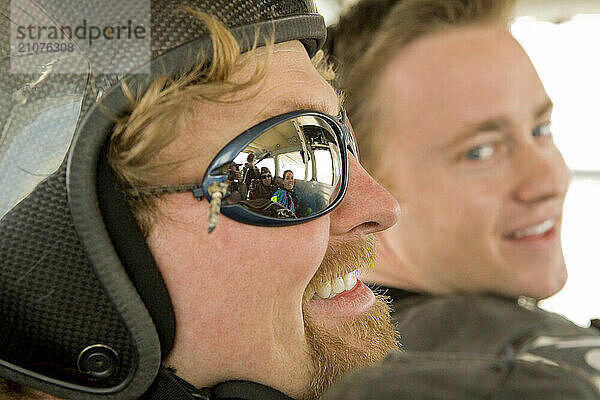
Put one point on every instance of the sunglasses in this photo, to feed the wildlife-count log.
(265, 176)
(311, 144)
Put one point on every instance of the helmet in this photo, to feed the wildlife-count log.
(84, 312)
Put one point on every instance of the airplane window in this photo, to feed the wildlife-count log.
(293, 161)
(324, 170)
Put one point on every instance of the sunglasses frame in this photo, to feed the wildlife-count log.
(238, 212)
(214, 173)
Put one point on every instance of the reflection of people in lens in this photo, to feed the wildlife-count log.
(266, 187)
(237, 188)
(250, 170)
(286, 196)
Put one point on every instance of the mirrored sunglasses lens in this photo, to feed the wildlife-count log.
(303, 156)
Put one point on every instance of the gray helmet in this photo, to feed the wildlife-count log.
(84, 312)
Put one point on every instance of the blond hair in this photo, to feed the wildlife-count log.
(370, 33)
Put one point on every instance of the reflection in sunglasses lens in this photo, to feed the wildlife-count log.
(305, 155)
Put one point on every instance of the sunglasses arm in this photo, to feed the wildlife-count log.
(216, 190)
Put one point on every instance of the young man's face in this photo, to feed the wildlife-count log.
(252, 313)
(288, 180)
(468, 152)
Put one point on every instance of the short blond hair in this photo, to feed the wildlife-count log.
(371, 32)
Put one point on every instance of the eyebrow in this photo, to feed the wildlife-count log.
(544, 108)
(496, 123)
(286, 105)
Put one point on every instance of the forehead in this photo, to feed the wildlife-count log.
(454, 78)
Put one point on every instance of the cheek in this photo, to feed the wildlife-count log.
(291, 255)
(442, 203)
(237, 259)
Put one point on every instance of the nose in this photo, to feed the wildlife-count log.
(544, 174)
(366, 208)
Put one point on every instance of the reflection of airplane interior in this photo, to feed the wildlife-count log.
(306, 146)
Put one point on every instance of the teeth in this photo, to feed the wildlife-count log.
(350, 280)
(337, 286)
(324, 291)
(534, 230)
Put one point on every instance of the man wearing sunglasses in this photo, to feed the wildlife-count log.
(265, 188)
(124, 270)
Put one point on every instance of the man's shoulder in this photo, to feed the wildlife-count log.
(482, 323)
(470, 307)
(456, 376)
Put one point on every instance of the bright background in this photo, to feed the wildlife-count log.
(567, 57)
(562, 38)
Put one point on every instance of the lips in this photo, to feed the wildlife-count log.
(537, 230)
(348, 304)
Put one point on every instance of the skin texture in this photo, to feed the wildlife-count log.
(239, 311)
(469, 155)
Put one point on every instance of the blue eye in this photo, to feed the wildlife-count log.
(479, 153)
(542, 130)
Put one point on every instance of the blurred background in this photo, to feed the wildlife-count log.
(562, 38)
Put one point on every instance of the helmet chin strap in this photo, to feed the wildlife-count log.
(168, 386)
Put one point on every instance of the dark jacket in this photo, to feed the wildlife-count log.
(480, 347)
(286, 198)
(262, 191)
(250, 172)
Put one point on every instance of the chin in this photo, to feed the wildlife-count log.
(540, 286)
(555, 281)
(351, 343)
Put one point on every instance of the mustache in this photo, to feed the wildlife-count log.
(340, 258)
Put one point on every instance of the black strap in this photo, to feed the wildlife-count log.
(135, 255)
(168, 386)
(244, 390)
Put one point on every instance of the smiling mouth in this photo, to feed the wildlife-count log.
(534, 230)
(335, 291)
(338, 285)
